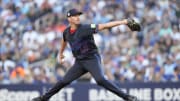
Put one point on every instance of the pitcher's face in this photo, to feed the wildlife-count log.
(74, 19)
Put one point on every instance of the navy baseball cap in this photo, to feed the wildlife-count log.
(73, 12)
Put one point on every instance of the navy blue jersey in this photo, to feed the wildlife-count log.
(82, 41)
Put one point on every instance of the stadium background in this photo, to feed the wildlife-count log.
(31, 30)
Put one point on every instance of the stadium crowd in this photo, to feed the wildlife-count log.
(31, 30)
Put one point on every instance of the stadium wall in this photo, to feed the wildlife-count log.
(91, 92)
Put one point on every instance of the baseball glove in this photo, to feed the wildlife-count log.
(134, 26)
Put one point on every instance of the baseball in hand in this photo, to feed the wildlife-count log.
(62, 60)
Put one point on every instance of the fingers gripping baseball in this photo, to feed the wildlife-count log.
(61, 58)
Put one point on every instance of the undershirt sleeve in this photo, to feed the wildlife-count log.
(64, 36)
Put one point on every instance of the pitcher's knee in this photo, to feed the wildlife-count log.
(64, 82)
(101, 81)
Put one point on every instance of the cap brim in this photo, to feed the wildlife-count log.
(78, 13)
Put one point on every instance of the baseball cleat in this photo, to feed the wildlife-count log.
(38, 99)
(131, 98)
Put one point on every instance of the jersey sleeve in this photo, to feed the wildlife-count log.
(64, 36)
(91, 28)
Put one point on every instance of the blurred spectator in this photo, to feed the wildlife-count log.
(166, 29)
(169, 67)
(17, 75)
(177, 73)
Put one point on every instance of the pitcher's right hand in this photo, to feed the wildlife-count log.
(61, 57)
